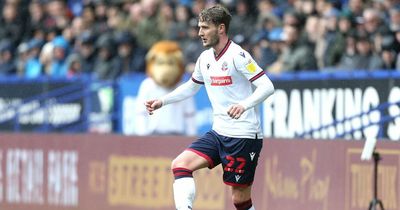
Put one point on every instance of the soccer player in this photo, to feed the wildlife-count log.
(228, 72)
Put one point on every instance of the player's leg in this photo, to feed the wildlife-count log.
(184, 186)
(241, 197)
(239, 161)
(200, 154)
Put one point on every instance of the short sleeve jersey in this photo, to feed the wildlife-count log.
(227, 78)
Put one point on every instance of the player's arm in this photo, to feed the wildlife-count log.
(264, 86)
(182, 92)
(264, 89)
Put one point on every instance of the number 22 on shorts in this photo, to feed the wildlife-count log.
(232, 160)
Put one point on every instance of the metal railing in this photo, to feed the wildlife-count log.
(384, 119)
(78, 90)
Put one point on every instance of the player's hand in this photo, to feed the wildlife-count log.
(152, 105)
(235, 111)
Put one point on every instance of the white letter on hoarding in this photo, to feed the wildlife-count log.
(63, 178)
(393, 130)
(370, 100)
(70, 177)
(54, 177)
(328, 100)
(268, 116)
(295, 121)
(13, 176)
(339, 111)
(353, 108)
(312, 112)
(280, 113)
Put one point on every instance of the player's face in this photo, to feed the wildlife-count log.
(208, 33)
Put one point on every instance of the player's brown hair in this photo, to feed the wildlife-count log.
(217, 15)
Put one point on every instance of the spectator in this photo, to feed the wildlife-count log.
(242, 41)
(271, 7)
(12, 26)
(166, 18)
(348, 59)
(355, 8)
(296, 55)
(345, 27)
(243, 20)
(37, 19)
(34, 67)
(115, 18)
(148, 30)
(89, 19)
(373, 23)
(7, 63)
(68, 34)
(192, 47)
(265, 23)
(293, 18)
(179, 28)
(198, 6)
(103, 66)
(366, 58)
(46, 53)
(134, 17)
(74, 65)
(58, 13)
(328, 37)
(130, 57)
(100, 16)
(388, 56)
(78, 27)
(270, 48)
(58, 65)
(394, 21)
(22, 57)
(86, 50)
(316, 34)
(308, 7)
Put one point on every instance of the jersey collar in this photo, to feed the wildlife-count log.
(217, 57)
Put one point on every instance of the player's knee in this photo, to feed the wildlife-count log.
(180, 170)
(178, 163)
(240, 194)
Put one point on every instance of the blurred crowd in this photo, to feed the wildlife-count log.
(109, 38)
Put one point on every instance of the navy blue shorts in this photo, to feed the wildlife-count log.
(238, 156)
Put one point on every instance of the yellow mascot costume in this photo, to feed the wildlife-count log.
(165, 68)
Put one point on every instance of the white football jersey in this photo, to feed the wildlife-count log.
(227, 78)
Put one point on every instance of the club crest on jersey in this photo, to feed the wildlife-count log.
(221, 80)
(242, 54)
(208, 66)
(224, 66)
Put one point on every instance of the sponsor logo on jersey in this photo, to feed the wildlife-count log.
(208, 66)
(251, 67)
(242, 54)
(221, 80)
(224, 66)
